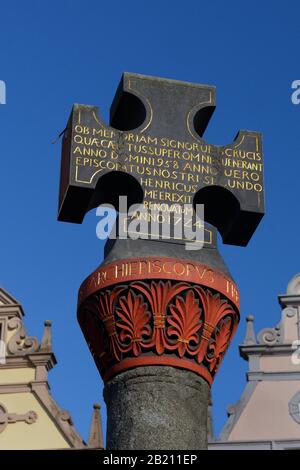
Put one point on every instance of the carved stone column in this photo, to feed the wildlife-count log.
(158, 328)
(154, 303)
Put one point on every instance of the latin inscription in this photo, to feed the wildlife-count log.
(169, 170)
(162, 268)
(154, 136)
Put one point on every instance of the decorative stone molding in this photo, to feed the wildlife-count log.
(270, 336)
(96, 436)
(20, 343)
(8, 418)
(250, 334)
(158, 312)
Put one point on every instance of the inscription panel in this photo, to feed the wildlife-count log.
(165, 154)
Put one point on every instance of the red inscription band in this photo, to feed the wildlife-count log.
(158, 311)
(159, 268)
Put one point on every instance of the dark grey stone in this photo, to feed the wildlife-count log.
(157, 407)
(165, 116)
(118, 249)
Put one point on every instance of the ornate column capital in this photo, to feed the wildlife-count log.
(158, 311)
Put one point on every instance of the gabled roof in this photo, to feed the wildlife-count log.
(6, 298)
(25, 372)
(268, 408)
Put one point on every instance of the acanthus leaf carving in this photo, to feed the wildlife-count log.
(157, 318)
(101, 307)
(133, 321)
(159, 295)
(185, 322)
(219, 343)
(214, 309)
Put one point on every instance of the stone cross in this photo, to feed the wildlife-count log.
(9, 418)
(153, 152)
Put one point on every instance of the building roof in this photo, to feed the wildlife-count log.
(29, 416)
(268, 413)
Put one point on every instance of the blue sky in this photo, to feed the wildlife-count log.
(54, 53)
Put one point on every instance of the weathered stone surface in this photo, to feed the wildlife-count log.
(157, 408)
(121, 249)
